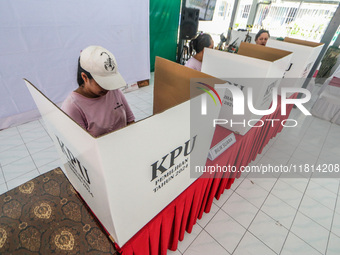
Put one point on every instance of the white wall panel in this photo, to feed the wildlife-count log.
(41, 41)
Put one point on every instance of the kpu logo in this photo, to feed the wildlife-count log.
(167, 163)
(74, 163)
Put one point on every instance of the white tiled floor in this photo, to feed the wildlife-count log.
(256, 216)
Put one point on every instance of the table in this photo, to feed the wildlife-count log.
(165, 230)
(46, 216)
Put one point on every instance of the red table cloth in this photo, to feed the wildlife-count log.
(165, 230)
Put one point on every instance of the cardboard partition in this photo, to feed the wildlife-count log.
(305, 54)
(254, 66)
(172, 84)
(302, 42)
(128, 176)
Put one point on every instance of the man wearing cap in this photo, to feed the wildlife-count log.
(97, 104)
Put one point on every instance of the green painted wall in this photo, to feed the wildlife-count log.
(164, 22)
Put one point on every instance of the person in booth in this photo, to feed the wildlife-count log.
(97, 104)
(262, 37)
(198, 44)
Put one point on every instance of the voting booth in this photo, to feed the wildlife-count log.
(304, 55)
(254, 66)
(128, 176)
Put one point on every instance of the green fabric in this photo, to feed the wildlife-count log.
(164, 22)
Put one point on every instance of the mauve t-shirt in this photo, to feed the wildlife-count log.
(194, 64)
(99, 115)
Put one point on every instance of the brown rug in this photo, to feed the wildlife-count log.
(46, 216)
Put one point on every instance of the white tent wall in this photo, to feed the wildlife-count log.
(41, 41)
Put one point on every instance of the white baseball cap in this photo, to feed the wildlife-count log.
(102, 65)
